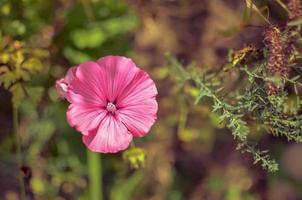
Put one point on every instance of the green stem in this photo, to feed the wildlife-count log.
(95, 176)
(18, 152)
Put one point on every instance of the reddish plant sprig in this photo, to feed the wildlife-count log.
(278, 60)
(295, 9)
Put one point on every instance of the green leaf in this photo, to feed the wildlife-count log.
(295, 78)
(252, 5)
(295, 22)
(88, 38)
(32, 65)
(113, 26)
(7, 79)
(247, 14)
(4, 58)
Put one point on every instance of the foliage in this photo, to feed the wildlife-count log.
(34, 50)
(270, 74)
(101, 30)
(17, 64)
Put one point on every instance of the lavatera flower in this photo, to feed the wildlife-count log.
(111, 101)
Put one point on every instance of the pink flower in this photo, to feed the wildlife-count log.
(112, 101)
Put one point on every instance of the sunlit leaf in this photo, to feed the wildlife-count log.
(88, 38)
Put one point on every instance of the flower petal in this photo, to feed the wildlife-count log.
(137, 106)
(63, 83)
(110, 137)
(140, 89)
(138, 118)
(70, 74)
(120, 72)
(85, 118)
(86, 88)
(61, 88)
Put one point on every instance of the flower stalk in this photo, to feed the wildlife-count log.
(95, 176)
(18, 152)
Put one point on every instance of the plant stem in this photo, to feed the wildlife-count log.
(95, 176)
(88, 10)
(282, 5)
(18, 152)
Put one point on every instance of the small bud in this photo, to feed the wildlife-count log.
(135, 157)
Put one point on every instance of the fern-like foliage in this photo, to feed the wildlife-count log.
(17, 63)
(270, 82)
(270, 86)
(230, 114)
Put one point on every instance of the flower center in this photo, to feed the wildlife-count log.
(111, 107)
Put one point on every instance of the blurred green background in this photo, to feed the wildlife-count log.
(188, 154)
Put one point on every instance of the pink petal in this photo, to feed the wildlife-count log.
(63, 83)
(139, 117)
(137, 105)
(85, 118)
(111, 136)
(133, 91)
(120, 72)
(61, 88)
(70, 74)
(141, 88)
(87, 86)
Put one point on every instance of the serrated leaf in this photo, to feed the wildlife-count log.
(295, 22)
(7, 79)
(295, 78)
(32, 65)
(17, 58)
